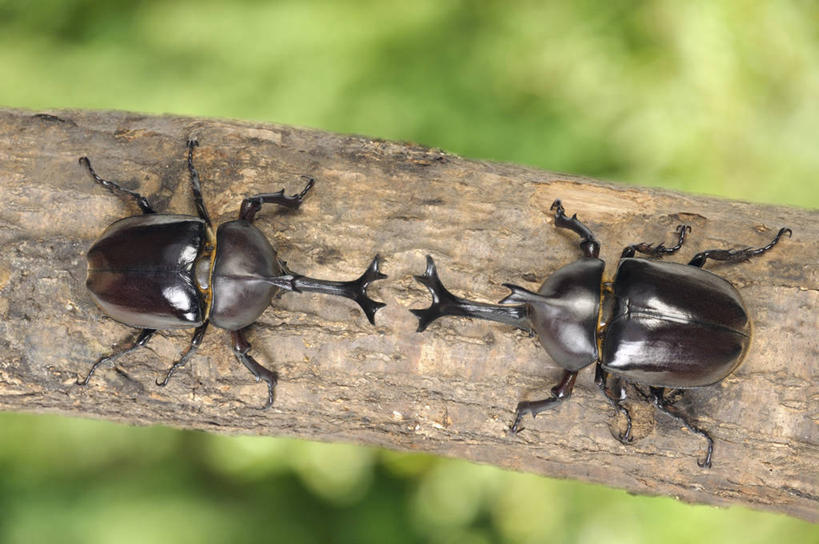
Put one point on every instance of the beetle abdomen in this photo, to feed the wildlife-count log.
(674, 325)
(140, 271)
(245, 261)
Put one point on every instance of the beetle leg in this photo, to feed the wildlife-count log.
(659, 250)
(253, 204)
(140, 341)
(196, 185)
(445, 303)
(736, 255)
(589, 244)
(616, 401)
(657, 397)
(355, 290)
(198, 334)
(560, 392)
(672, 397)
(643, 395)
(141, 201)
(240, 349)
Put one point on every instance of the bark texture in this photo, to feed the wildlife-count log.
(450, 391)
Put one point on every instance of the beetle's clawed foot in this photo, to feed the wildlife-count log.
(706, 463)
(241, 348)
(140, 341)
(737, 255)
(520, 411)
(626, 437)
(309, 185)
(660, 402)
(292, 201)
(560, 393)
(164, 381)
(531, 407)
(192, 142)
(660, 249)
(84, 381)
(515, 427)
(271, 379)
(252, 204)
(673, 396)
(561, 218)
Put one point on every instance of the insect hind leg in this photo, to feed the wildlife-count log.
(737, 255)
(116, 188)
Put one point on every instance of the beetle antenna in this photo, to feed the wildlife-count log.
(354, 290)
(445, 303)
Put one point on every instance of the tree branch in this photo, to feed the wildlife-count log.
(449, 391)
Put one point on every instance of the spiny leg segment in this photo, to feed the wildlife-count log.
(659, 250)
(140, 341)
(115, 188)
(736, 255)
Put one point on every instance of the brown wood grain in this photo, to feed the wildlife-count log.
(450, 391)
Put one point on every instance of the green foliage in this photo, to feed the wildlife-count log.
(715, 97)
(712, 97)
(76, 481)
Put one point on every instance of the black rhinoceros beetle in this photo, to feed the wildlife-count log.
(668, 325)
(162, 271)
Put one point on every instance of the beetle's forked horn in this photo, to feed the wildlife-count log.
(354, 290)
(445, 303)
(519, 295)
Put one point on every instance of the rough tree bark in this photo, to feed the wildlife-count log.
(450, 391)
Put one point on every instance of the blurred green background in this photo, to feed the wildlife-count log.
(703, 96)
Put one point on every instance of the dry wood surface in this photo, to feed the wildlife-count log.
(451, 390)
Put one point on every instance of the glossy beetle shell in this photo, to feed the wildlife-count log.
(674, 325)
(140, 271)
(664, 325)
(165, 271)
(245, 262)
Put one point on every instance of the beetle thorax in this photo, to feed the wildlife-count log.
(242, 276)
(566, 313)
